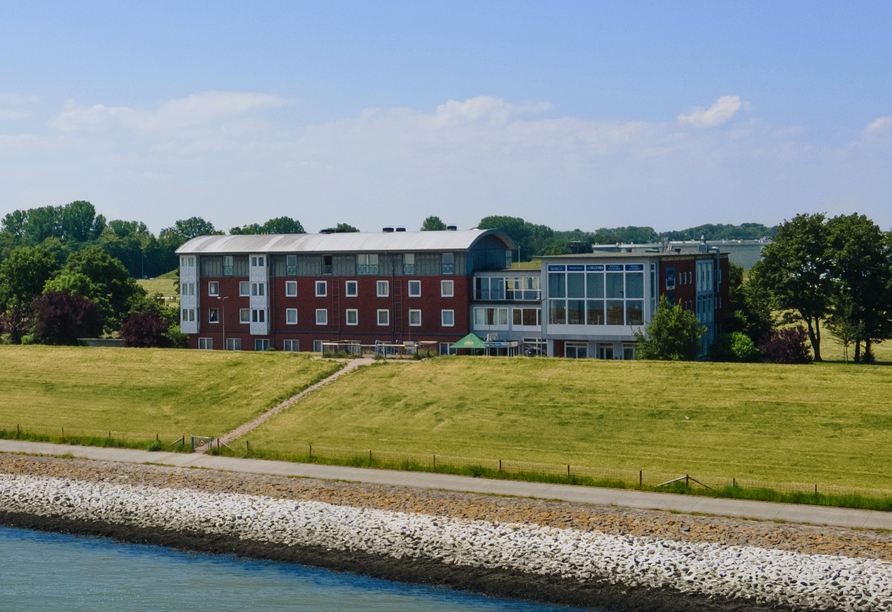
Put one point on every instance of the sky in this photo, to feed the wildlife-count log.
(569, 114)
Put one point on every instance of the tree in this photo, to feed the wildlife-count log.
(63, 318)
(279, 225)
(787, 346)
(187, 229)
(340, 228)
(672, 335)
(735, 347)
(749, 305)
(110, 279)
(433, 224)
(22, 277)
(145, 330)
(845, 324)
(796, 272)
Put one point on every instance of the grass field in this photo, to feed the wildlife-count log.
(137, 393)
(165, 286)
(828, 424)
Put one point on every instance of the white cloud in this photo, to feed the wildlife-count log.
(12, 106)
(721, 112)
(197, 110)
(880, 125)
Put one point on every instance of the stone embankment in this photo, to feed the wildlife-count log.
(600, 557)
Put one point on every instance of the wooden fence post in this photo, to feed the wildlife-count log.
(311, 451)
(640, 478)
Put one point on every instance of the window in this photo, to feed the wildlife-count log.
(670, 279)
(383, 288)
(187, 262)
(206, 344)
(244, 288)
(447, 289)
(291, 266)
(446, 349)
(187, 289)
(213, 315)
(485, 317)
(522, 288)
(291, 316)
(321, 318)
(367, 264)
(291, 346)
(258, 316)
(414, 288)
(244, 315)
(257, 262)
(290, 288)
(448, 266)
(352, 316)
(258, 289)
(414, 318)
(351, 289)
(526, 316)
(327, 264)
(409, 263)
(557, 312)
(383, 317)
(227, 265)
(188, 314)
(261, 344)
(595, 312)
(576, 312)
(213, 288)
(447, 318)
(576, 351)
(233, 344)
(317, 346)
(321, 288)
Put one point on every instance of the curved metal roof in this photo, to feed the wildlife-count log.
(353, 242)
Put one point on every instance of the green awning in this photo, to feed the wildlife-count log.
(471, 341)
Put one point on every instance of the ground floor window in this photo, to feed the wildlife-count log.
(292, 346)
(261, 344)
(206, 344)
(534, 347)
(576, 351)
(628, 352)
(446, 349)
(605, 351)
(317, 346)
(233, 344)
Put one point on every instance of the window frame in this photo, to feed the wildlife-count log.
(413, 311)
(213, 316)
(288, 286)
(288, 312)
(416, 283)
(291, 346)
(207, 342)
(355, 286)
(323, 320)
(244, 315)
(244, 288)
(386, 285)
(213, 288)
(355, 313)
(324, 286)
(443, 284)
(443, 322)
(386, 312)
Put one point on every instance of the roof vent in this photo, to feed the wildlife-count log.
(387, 229)
(401, 229)
(451, 228)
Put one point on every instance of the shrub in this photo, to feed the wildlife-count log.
(28, 339)
(63, 318)
(735, 347)
(672, 335)
(145, 330)
(788, 345)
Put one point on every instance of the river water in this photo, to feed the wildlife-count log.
(45, 571)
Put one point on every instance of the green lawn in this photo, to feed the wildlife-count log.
(165, 286)
(137, 393)
(830, 423)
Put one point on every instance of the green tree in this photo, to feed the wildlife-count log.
(279, 225)
(749, 305)
(340, 228)
(433, 224)
(22, 277)
(796, 272)
(109, 278)
(672, 335)
(193, 227)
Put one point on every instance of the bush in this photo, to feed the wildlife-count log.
(672, 335)
(789, 345)
(145, 330)
(28, 339)
(735, 347)
(63, 318)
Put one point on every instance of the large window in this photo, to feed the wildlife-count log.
(206, 344)
(489, 288)
(526, 317)
(670, 279)
(610, 294)
(291, 316)
(383, 317)
(227, 265)
(367, 264)
(447, 318)
(522, 288)
(414, 288)
(414, 318)
(290, 288)
(327, 265)
(258, 316)
(487, 317)
(188, 315)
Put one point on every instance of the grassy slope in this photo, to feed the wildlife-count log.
(824, 423)
(165, 286)
(137, 393)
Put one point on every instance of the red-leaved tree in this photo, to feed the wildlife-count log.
(63, 318)
(788, 345)
(145, 330)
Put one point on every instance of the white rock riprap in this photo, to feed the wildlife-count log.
(767, 576)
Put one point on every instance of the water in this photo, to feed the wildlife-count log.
(41, 571)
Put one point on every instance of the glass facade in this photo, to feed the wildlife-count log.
(601, 294)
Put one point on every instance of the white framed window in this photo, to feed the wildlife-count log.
(206, 344)
(244, 289)
(317, 346)
(321, 288)
(233, 344)
(257, 262)
(383, 317)
(447, 318)
(446, 349)
(485, 317)
(414, 288)
(447, 288)
(383, 288)
(261, 344)
(258, 316)
(290, 288)
(187, 289)
(258, 289)
(244, 315)
(321, 318)
(351, 289)
(352, 316)
(214, 315)
(291, 316)
(291, 346)
(414, 318)
(213, 288)
(188, 314)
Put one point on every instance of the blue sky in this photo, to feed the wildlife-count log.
(570, 114)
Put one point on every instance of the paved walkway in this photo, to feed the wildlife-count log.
(792, 513)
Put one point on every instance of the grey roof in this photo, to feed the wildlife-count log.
(351, 242)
